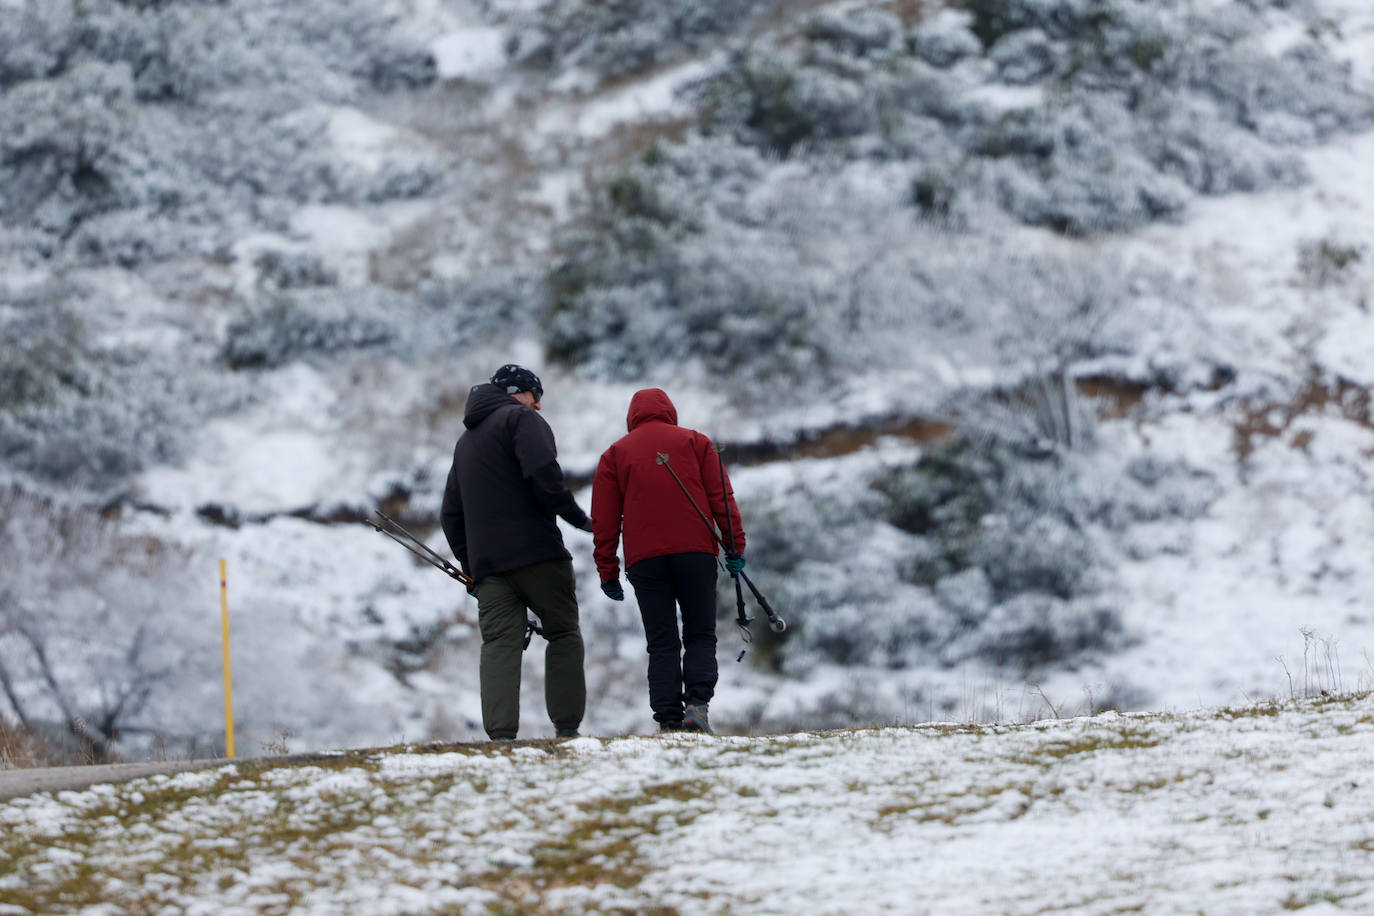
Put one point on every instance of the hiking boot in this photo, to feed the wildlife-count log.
(670, 726)
(694, 718)
(569, 733)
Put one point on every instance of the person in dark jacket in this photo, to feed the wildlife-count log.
(503, 492)
(670, 550)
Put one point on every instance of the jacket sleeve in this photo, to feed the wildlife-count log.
(608, 508)
(722, 498)
(538, 457)
(451, 517)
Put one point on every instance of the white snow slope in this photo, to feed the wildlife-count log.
(1245, 810)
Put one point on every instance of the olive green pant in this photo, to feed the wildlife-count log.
(549, 591)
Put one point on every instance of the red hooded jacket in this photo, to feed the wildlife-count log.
(635, 496)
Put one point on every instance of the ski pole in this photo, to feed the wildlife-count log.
(775, 623)
(410, 542)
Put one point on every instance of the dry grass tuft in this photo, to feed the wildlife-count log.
(20, 749)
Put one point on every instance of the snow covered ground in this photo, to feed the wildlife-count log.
(1246, 810)
(1265, 595)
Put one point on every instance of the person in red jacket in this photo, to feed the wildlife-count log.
(670, 550)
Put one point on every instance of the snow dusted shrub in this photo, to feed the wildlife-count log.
(772, 102)
(294, 325)
(1032, 629)
(1057, 310)
(1089, 22)
(62, 157)
(184, 49)
(1327, 261)
(1149, 490)
(1212, 157)
(864, 33)
(615, 39)
(1006, 550)
(646, 283)
(1073, 169)
(827, 568)
(984, 550)
(1299, 96)
(974, 553)
(95, 638)
(65, 414)
(941, 43)
(1027, 56)
(187, 118)
(31, 36)
(278, 270)
(991, 19)
(492, 304)
(1191, 100)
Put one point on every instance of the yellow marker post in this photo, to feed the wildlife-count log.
(228, 678)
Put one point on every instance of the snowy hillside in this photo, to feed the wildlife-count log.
(1254, 809)
(1036, 333)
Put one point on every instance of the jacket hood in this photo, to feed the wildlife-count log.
(484, 400)
(650, 404)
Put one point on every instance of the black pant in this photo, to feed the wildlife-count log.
(681, 667)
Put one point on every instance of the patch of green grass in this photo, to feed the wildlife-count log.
(285, 832)
(602, 848)
(939, 808)
(1295, 902)
(1057, 750)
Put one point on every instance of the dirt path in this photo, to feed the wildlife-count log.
(18, 783)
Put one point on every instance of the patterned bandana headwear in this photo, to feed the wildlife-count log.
(514, 379)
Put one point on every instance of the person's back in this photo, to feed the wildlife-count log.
(504, 490)
(657, 518)
(670, 548)
(509, 485)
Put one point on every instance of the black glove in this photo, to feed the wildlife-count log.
(612, 589)
(587, 525)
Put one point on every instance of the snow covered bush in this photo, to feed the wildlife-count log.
(828, 566)
(142, 132)
(78, 410)
(636, 291)
(630, 36)
(1007, 550)
(64, 157)
(96, 640)
(498, 303)
(985, 550)
(296, 324)
(180, 49)
(789, 273)
(1141, 106)
(1326, 261)
(772, 103)
(1072, 169)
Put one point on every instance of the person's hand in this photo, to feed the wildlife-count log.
(587, 525)
(734, 563)
(472, 590)
(612, 590)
